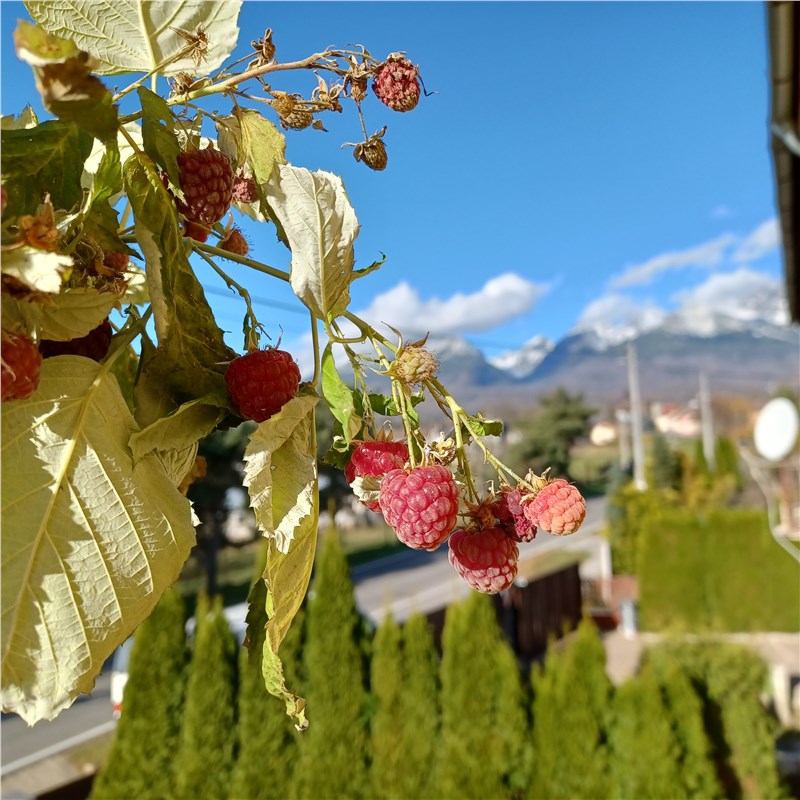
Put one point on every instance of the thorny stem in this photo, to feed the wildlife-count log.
(462, 459)
(250, 320)
(315, 344)
(399, 400)
(248, 262)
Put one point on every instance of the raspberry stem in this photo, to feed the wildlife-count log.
(462, 458)
(248, 262)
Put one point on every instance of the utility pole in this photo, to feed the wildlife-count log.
(707, 423)
(637, 431)
(624, 436)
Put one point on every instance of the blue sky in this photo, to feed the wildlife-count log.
(580, 163)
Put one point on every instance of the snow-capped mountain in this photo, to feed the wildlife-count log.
(521, 363)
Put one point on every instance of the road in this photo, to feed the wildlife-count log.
(412, 580)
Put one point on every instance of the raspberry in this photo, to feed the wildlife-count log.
(374, 459)
(395, 83)
(558, 508)
(414, 365)
(510, 515)
(21, 362)
(244, 190)
(117, 261)
(94, 345)
(235, 243)
(372, 153)
(291, 112)
(486, 560)
(420, 504)
(261, 382)
(206, 180)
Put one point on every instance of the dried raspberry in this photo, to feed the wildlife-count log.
(206, 180)
(414, 365)
(94, 345)
(510, 514)
(117, 261)
(261, 382)
(357, 87)
(21, 363)
(420, 504)
(395, 83)
(291, 111)
(558, 508)
(244, 190)
(235, 243)
(374, 459)
(486, 560)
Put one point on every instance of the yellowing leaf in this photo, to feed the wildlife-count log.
(281, 470)
(90, 540)
(138, 35)
(321, 227)
(37, 269)
(62, 317)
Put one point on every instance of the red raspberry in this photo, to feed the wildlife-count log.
(510, 514)
(21, 362)
(420, 504)
(558, 508)
(374, 459)
(395, 83)
(261, 382)
(94, 345)
(244, 190)
(206, 179)
(117, 261)
(486, 560)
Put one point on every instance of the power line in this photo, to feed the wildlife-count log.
(260, 300)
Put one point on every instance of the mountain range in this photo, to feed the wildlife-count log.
(747, 353)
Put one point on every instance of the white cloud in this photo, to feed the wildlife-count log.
(706, 255)
(498, 301)
(721, 212)
(615, 318)
(743, 294)
(763, 240)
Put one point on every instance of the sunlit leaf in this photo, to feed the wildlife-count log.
(90, 540)
(139, 35)
(37, 269)
(321, 227)
(339, 397)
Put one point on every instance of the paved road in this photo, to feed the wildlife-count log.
(413, 580)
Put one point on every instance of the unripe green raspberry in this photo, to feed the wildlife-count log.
(414, 365)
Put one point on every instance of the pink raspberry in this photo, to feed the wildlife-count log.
(396, 83)
(486, 560)
(420, 504)
(374, 459)
(558, 508)
(510, 514)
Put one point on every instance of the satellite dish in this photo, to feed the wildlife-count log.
(777, 426)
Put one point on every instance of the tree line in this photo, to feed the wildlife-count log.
(394, 716)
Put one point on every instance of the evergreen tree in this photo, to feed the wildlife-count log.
(267, 739)
(389, 761)
(572, 694)
(685, 708)
(471, 761)
(333, 751)
(419, 707)
(664, 468)
(699, 456)
(140, 763)
(207, 743)
(728, 460)
(645, 750)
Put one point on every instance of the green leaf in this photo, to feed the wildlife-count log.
(53, 153)
(321, 227)
(251, 141)
(385, 406)
(158, 135)
(65, 316)
(37, 269)
(90, 540)
(191, 357)
(280, 470)
(108, 177)
(373, 267)
(485, 427)
(340, 397)
(65, 81)
(26, 119)
(181, 429)
(139, 35)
